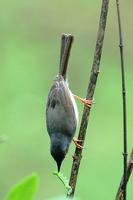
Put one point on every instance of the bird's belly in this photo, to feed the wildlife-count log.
(58, 120)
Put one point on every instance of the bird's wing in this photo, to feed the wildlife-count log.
(60, 109)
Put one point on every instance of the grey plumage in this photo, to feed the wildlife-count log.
(61, 116)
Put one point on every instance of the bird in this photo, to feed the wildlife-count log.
(61, 108)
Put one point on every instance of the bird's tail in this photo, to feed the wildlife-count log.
(66, 43)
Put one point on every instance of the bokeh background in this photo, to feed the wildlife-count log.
(30, 34)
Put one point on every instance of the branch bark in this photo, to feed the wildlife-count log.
(119, 195)
(90, 92)
(125, 154)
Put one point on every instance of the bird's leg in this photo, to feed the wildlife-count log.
(86, 102)
(78, 142)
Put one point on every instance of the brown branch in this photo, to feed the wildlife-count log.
(119, 195)
(90, 92)
(123, 101)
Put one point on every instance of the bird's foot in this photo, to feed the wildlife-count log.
(78, 142)
(86, 102)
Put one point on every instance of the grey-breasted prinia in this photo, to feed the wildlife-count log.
(61, 110)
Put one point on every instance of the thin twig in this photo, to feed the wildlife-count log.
(124, 102)
(90, 92)
(120, 192)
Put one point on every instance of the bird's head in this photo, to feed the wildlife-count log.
(59, 148)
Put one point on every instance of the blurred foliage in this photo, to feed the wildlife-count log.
(29, 57)
(26, 189)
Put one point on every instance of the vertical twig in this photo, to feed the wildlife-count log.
(124, 102)
(119, 195)
(90, 92)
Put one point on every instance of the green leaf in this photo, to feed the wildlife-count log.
(24, 190)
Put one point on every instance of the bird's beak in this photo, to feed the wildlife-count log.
(58, 166)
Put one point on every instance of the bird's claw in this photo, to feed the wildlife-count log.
(78, 142)
(87, 102)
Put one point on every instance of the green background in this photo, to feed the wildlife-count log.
(30, 34)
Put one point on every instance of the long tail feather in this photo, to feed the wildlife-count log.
(66, 43)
